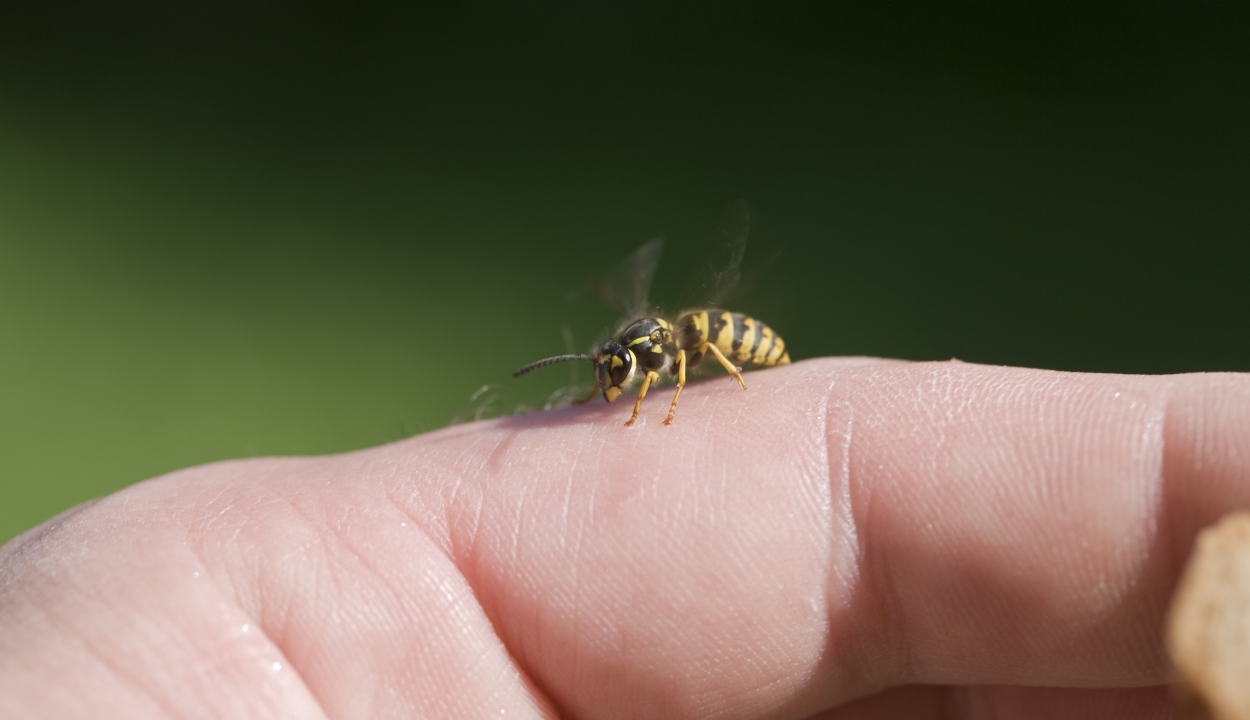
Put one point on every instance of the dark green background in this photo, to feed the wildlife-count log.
(228, 231)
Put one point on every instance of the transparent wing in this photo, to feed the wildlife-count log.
(498, 400)
(625, 286)
(720, 273)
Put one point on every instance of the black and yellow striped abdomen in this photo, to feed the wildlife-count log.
(740, 338)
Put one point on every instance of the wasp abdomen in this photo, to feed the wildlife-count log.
(740, 338)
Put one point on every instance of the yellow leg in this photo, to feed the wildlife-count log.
(594, 389)
(651, 377)
(733, 369)
(681, 383)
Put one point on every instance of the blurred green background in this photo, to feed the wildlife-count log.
(229, 231)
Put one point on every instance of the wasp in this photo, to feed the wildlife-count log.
(651, 349)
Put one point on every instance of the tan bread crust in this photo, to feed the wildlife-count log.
(1208, 630)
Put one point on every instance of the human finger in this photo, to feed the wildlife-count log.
(844, 526)
(847, 527)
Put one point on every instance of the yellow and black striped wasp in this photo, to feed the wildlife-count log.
(650, 348)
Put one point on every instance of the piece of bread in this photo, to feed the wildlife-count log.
(1208, 630)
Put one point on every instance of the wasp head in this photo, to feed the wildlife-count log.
(614, 365)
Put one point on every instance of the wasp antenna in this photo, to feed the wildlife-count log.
(549, 361)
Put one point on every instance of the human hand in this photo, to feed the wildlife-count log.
(855, 537)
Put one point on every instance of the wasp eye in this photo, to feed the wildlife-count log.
(620, 365)
(613, 365)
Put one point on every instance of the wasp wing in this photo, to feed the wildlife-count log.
(719, 276)
(625, 286)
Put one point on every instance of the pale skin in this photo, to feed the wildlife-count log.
(850, 538)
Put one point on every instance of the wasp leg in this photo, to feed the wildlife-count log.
(733, 369)
(651, 377)
(681, 383)
(589, 395)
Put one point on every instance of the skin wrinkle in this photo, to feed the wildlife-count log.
(336, 534)
(128, 679)
(457, 611)
(568, 499)
(773, 665)
(1152, 443)
(462, 547)
(336, 526)
(518, 518)
(217, 592)
(51, 535)
(380, 582)
(417, 522)
(27, 546)
(850, 573)
(1180, 467)
(1201, 437)
(464, 469)
(288, 613)
(1038, 488)
(890, 592)
(450, 505)
(231, 591)
(873, 586)
(465, 558)
(265, 583)
(453, 604)
(1109, 579)
(839, 517)
(1148, 560)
